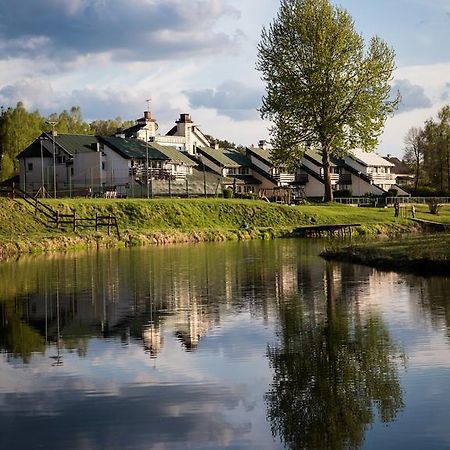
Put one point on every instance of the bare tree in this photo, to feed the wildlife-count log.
(413, 155)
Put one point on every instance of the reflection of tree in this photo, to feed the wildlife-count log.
(329, 375)
(434, 298)
(11, 327)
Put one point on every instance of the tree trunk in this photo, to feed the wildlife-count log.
(416, 182)
(326, 175)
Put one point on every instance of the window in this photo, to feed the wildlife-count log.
(243, 170)
(71, 171)
(30, 167)
(60, 159)
(103, 165)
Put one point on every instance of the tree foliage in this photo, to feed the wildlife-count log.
(323, 89)
(333, 370)
(427, 151)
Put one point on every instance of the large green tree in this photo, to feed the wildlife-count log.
(324, 88)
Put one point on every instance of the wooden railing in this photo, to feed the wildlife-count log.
(59, 219)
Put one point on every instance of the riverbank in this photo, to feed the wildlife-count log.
(423, 254)
(163, 221)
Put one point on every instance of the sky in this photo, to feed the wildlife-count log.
(198, 57)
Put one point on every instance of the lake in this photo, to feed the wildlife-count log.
(246, 345)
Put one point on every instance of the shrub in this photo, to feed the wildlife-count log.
(434, 206)
(228, 193)
(342, 193)
(392, 192)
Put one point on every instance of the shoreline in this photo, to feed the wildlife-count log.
(170, 221)
(422, 255)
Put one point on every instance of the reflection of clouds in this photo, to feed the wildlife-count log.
(132, 419)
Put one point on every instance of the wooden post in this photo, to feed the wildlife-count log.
(96, 221)
(109, 223)
(117, 227)
(170, 185)
(74, 221)
(187, 188)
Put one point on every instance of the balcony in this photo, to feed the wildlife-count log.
(284, 178)
(382, 177)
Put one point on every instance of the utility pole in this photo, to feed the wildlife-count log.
(146, 162)
(53, 123)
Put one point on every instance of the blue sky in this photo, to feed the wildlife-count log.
(109, 56)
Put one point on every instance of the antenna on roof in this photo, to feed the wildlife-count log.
(149, 100)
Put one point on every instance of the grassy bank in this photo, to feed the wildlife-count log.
(162, 221)
(425, 254)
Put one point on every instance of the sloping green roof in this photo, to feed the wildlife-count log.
(76, 143)
(263, 153)
(134, 148)
(174, 155)
(317, 157)
(226, 158)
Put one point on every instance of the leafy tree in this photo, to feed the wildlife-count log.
(436, 151)
(18, 128)
(322, 89)
(109, 127)
(413, 155)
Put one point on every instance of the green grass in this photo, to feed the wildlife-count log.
(423, 253)
(144, 221)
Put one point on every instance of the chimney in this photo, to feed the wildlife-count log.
(184, 118)
(262, 144)
(148, 116)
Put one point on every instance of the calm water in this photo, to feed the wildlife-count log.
(258, 345)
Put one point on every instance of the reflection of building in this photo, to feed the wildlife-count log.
(153, 340)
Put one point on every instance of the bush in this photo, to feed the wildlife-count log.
(426, 191)
(228, 193)
(434, 206)
(342, 193)
(392, 192)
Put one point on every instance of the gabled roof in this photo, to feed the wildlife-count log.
(263, 154)
(316, 158)
(225, 158)
(130, 131)
(70, 143)
(134, 148)
(34, 150)
(174, 154)
(76, 143)
(399, 166)
(369, 159)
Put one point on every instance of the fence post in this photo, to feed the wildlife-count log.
(109, 223)
(74, 221)
(187, 188)
(96, 221)
(170, 185)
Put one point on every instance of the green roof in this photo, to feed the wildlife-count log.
(263, 153)
(226, 158)
(76, 143)
(174, 154)
(134, 148)
(317, 157)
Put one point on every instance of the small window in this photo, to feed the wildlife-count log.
(30, 167)
(71, 171)
(60, 159)
(103, 165)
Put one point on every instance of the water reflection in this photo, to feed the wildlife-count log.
(332, 369)
(241, 345)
